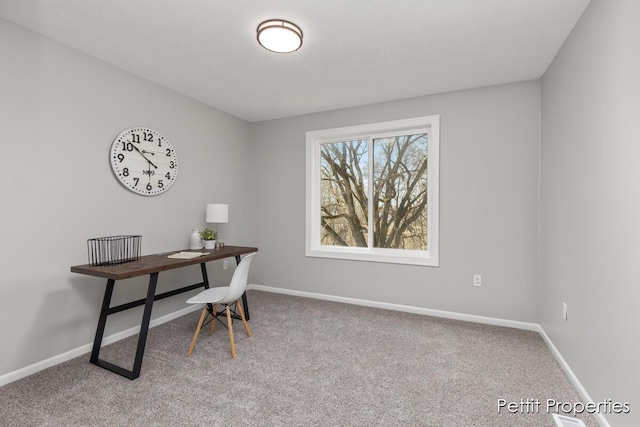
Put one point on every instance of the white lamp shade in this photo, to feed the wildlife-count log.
(217, 213)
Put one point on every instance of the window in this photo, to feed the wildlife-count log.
(372, 192)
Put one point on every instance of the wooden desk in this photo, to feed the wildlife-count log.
(151, 265)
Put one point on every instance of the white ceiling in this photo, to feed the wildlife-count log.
(355, 52)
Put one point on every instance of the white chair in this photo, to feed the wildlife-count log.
(227, 296)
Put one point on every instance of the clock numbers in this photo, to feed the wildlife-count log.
(144, 161)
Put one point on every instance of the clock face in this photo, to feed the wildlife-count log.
(144, 161)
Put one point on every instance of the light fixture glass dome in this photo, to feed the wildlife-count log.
(279, 36)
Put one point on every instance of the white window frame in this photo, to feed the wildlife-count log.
(314, 139)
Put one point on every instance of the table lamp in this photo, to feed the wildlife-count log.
(217, 213)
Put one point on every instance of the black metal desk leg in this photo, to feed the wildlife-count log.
(245, 305)
(205, 278)
(144, 327)
(102, 321)
(205, 281)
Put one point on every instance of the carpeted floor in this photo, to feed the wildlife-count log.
(308, 363)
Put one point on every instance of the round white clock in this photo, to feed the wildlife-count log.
(144, 161)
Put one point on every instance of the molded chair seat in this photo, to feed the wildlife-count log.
(227, 296)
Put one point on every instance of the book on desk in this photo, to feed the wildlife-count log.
(187, 255)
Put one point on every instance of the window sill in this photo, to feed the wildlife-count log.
(391, 256)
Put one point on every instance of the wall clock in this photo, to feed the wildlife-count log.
(144, 161)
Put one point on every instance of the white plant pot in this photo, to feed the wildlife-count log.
(209, 244)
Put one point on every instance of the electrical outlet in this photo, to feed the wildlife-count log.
(225, 264)
(477, 280)
(564, 311)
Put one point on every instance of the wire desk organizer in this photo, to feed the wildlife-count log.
(113, 250)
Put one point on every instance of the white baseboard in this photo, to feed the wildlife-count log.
(572, 377)
(404, 308)
(55, 360)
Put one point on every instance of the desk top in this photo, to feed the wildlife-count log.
(155, 263)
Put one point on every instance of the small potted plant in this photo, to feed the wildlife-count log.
(209, 236)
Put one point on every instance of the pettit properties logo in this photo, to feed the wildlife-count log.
(550, 406)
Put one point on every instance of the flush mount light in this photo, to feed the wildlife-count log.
(279, 36)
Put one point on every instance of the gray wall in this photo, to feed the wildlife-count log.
(489, 151)
(590, 206)
(60, 111)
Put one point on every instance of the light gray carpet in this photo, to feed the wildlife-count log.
(308, 363)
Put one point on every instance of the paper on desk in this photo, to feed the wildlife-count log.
(187, 255)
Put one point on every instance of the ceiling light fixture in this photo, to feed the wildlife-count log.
(279, 36)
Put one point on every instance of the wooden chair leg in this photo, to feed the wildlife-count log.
(215, 317)
(244, 320)
(230, 323)
(195, 335)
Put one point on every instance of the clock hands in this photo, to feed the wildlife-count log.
(130, 169)
(145, 157)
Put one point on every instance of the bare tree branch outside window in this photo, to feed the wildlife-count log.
(399, 193)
